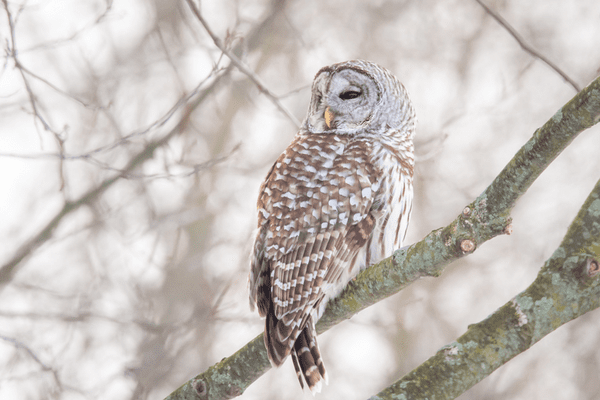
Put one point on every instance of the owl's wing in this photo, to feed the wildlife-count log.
(314, 217)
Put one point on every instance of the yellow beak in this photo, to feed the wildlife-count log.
(328, 117)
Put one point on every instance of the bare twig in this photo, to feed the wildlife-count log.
(240, 65)
(19, 345)
(45, 367)
(191, 169)
(526, 46)
(124, 139)
(65, 41)
(53, 86)
(293, 92)
(12, 53)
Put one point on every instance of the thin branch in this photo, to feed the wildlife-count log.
(76, 35)
(240, 65)
(182, 102)
(20, 346)
(191, 169)
(56, 88)
(45, 367)
(526, 46)
(12, 53)
(485, 218)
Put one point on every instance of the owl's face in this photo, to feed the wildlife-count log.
(356, 96)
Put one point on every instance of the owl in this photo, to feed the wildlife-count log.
(336, 201)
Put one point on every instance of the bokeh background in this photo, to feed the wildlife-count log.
(145, 286)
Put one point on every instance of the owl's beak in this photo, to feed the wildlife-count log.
(328, 117)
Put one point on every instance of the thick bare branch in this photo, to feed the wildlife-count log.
(567, 286)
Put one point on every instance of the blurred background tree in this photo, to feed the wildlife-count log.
(144, 284)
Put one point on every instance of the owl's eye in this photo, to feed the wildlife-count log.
(349, 94)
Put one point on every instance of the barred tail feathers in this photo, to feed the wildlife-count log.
(283, 338)
(307, 360)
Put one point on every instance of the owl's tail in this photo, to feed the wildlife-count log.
(307, 359)
(282, 339)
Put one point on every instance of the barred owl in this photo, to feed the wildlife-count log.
(336, 201)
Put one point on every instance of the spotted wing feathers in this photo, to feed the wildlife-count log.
(314, 216)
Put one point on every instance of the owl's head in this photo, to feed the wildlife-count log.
(358, 96)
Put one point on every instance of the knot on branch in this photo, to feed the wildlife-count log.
(584, 268)
(233, 391)
(467, 246)
(483, 222)
(592, 268)
(200, 388)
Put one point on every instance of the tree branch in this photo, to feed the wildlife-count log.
(240, 65)
(12, 53)
(486, 217)
(525, 46)
(567, 286)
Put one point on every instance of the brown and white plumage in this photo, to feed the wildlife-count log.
(335, 202)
